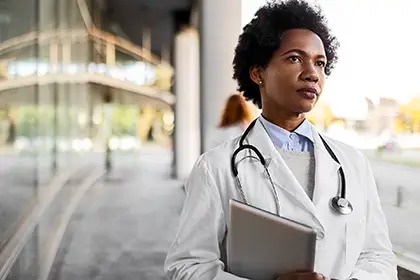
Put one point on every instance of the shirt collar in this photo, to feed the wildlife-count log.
(280, 135)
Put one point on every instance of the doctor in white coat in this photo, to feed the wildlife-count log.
(281, 62)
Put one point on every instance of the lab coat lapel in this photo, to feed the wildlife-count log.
(281, 174)
(326, 176)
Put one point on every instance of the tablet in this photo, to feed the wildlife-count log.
(263, 246)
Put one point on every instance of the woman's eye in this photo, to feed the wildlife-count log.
(294, 58)
(320, 64)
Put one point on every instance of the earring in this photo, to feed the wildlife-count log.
(260, 82)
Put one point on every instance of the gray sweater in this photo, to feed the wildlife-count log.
(302, 165)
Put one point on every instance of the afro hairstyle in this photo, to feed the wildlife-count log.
(262, 37)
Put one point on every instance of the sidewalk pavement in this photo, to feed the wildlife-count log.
(125, 223)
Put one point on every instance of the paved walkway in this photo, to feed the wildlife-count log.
(125, 224)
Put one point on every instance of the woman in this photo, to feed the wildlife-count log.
(281, 61)
(236, 116)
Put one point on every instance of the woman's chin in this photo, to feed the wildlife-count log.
(305, 108)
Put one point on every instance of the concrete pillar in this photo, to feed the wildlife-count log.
(187, 110)
(220, 28)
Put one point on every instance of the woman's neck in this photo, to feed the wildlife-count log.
(285, 121)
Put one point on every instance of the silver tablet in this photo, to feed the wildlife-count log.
(263, 246)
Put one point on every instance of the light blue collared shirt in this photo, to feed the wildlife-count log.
(300, 140)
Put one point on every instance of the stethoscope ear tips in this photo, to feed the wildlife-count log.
(341, 205)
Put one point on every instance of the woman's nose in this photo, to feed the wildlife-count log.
(310, 74)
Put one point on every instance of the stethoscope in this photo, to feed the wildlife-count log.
(338, 203)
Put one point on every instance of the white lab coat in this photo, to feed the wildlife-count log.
(356, 245)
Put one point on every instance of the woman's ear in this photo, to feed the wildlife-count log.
(255, 73)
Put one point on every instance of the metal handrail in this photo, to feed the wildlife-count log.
(24, 39)
(149, 92)
(125, 45)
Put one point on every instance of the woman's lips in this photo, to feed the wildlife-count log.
(310, 95)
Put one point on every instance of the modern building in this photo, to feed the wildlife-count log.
(71, 92)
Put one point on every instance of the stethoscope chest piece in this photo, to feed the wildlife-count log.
(341, 205)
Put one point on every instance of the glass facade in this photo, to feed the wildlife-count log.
(67, 92)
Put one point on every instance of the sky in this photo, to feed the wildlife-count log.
(379, 54)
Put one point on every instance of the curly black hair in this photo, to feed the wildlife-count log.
(262, 36)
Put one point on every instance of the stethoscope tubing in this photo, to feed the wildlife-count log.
(339, 203)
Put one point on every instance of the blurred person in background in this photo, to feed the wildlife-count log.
(235, 118)
(281, 62)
